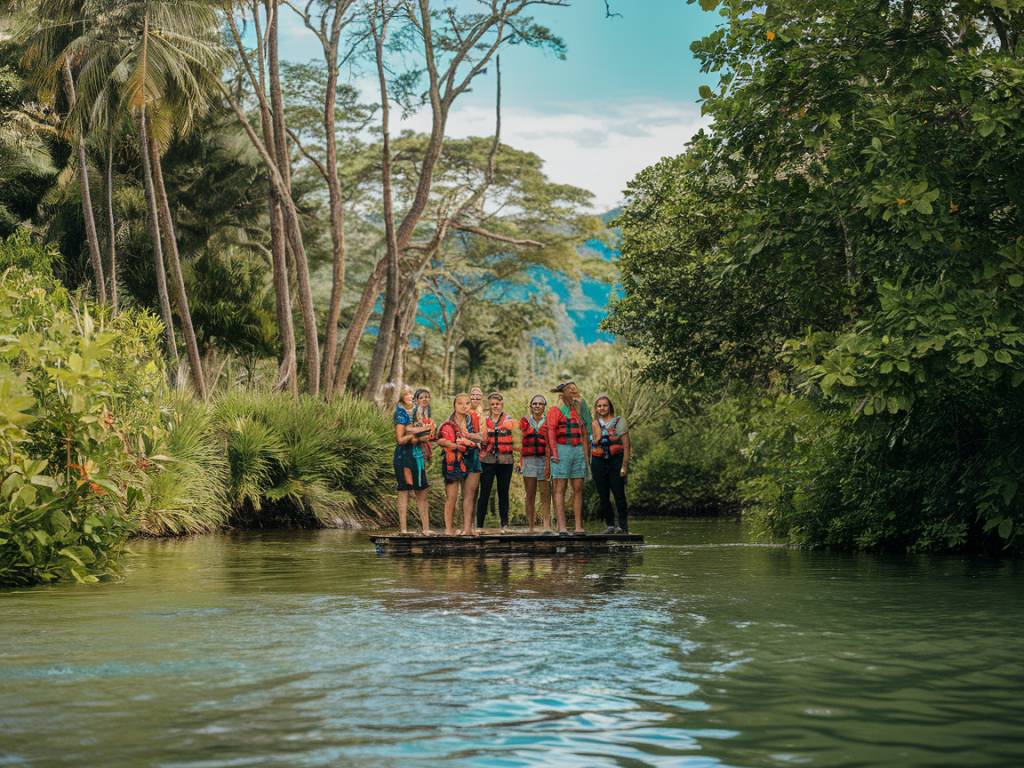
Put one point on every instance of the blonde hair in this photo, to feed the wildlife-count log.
(401, 393)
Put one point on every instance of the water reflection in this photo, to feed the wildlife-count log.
(484, 583)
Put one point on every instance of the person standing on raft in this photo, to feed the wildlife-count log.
(497, 459)
(569, 454)
(409, 464)
(609, 463)
(459, 438)
(535, 465)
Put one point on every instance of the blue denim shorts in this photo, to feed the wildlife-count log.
(570, 463)
(533, 466)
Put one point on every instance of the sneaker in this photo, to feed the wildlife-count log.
(609, 530)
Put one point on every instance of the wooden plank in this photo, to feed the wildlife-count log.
(502, 543)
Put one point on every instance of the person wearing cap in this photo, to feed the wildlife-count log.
(568, 450)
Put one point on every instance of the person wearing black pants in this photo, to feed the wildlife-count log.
(503, 474)
(497, 460)
(609, 463)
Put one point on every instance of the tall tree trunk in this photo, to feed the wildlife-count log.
(405, 322)
(357, 327)
(337, 209)
(287, 372)
(112, 267)
(154, 234)
(195, 363)
(390, 313)
(292, 223)
(83, 182)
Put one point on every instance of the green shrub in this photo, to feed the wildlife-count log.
(77, 393)
(696, 464)
(931, 480)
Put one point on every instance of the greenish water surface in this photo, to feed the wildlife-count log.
(307, 649)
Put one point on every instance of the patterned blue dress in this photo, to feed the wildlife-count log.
(410, 468)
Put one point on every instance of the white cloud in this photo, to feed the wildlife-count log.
(598, 151)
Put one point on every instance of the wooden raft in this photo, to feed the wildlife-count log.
(504, 544)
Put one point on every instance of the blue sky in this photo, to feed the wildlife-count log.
(624, 97)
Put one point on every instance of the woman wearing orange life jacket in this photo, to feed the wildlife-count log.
(497, 459)
(535, 465)
(609, 463)
(568, 451)
(459, 438)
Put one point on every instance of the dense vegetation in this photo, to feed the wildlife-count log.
(95, 447)
(846, 237)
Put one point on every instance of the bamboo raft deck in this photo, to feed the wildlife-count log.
(504, 544)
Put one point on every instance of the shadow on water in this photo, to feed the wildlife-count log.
(305, 648)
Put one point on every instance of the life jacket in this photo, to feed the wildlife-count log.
(499, 435)
(608, 442)
(425, 441)
(534, 441)
(570, 431)
(454, 459)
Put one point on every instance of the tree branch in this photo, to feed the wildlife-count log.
(474, 230)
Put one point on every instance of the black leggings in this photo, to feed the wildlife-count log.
(607, 479)
(504, 474)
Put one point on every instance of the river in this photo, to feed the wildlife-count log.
(706, 649)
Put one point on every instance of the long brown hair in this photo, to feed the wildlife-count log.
(451, 419)
(611, 405)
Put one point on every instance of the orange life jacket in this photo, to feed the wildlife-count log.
(499, 435)
(454, 458)
(607, 442)
(534, 441)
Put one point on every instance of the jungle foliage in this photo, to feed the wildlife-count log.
(95, 447)
(847, 236)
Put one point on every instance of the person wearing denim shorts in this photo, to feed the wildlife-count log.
(535, 465)
(569, 455)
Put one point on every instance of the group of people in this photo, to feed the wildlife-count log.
(482, 447)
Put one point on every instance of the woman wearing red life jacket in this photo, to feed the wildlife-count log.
(497, 459)
(459, 439)
(609, 463)
(535, 465)
(568, 451)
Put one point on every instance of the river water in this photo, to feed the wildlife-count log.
(307, 649)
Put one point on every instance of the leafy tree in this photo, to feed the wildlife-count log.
(851, 225)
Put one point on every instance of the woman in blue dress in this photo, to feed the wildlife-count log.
(410, 467)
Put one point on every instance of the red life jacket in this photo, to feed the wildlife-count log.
(571, 428)
(454, 458)
(613, 444)
(534, 441)
(499, 435)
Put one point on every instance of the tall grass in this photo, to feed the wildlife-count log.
(185, 488)
(304, 462)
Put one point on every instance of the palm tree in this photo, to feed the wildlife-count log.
(161, 61)
(48, 30)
